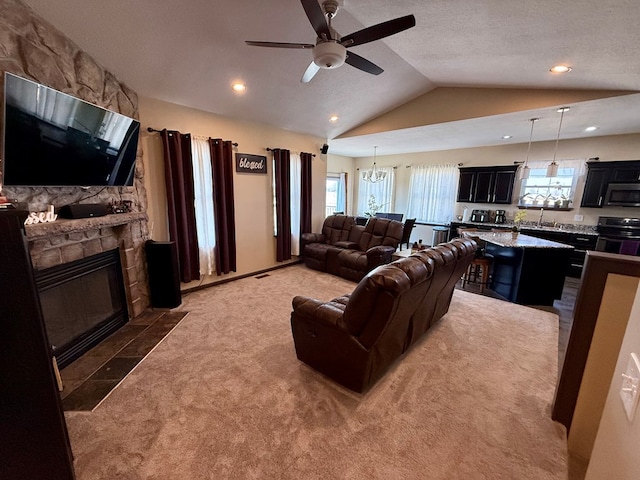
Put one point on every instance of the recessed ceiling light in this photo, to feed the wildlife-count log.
(560, 69)
(239, 87)
(333, 118)
(507, 137)
(590, 129)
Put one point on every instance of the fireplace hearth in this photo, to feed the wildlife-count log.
(83, 302)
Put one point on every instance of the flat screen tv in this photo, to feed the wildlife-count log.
(54, 139)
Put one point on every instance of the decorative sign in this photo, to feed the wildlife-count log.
(246, 163)
(41, 217)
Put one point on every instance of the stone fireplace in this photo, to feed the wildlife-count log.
(65, 241)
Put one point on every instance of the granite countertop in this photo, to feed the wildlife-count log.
(561, 227)
(521, 241)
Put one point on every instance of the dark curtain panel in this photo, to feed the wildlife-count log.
(305, 193)
(180, 205)
(223, 205)
(282, 159)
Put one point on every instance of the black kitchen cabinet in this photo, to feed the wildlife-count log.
(601, 174)
(465, 186)
(626, 172)
(580, 241)
(486, 184)
(595, 187)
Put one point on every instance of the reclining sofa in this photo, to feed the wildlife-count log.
(350, 250)
(355, 338)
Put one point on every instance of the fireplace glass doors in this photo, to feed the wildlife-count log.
(82, 303)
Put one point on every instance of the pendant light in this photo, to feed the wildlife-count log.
(374, 175)
(552, 168)
(525, 168)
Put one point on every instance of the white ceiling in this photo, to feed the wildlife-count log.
(190, 52)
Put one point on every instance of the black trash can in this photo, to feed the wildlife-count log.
(440, 235)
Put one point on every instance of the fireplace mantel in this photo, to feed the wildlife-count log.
(62, 226)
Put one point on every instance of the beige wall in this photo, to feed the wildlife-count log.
(253, 193)
(608, 148)
(617, 301)
(615, 452)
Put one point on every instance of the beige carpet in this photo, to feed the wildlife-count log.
(224, 397)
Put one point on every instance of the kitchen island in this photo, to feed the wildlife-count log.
(526, 270)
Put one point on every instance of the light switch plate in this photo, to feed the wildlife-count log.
(629, 392)
(578, 218)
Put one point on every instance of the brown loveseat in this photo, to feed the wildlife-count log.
(349, 250)
(354, 339)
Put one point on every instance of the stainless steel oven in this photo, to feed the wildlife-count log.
(619, 235)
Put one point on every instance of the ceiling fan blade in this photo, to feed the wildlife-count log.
(309, 73)
(279, 44)
(316, 17)
(363, 64)
(376, 32)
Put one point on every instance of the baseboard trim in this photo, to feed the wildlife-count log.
(239, 277)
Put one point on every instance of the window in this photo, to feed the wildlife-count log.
(540, 190)
(432, 193)
(335, 193)
(381, 191)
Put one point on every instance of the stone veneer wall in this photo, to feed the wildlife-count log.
(32, 48)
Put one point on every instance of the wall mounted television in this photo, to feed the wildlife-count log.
(52, 139)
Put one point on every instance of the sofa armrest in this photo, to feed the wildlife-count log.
(346, 244)
(327, 313)
(379, 255)
(312, 238)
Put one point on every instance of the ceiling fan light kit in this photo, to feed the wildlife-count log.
(329, 55)
(330, 51)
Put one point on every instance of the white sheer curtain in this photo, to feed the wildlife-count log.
(203, 193)
(432, 193)
(295, 176)
(382, 191)
(341, 194)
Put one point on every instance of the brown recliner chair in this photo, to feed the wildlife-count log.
(354, 339)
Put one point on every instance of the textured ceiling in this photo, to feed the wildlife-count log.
(190, 53)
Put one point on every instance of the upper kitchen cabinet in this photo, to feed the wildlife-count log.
(601, 174)
(486, 184)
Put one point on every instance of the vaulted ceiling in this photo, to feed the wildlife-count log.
(469, 72)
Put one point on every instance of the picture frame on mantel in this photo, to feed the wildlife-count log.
(248, 163)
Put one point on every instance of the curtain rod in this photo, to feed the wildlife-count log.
(200, 137)
(395, 167)
(272, 149)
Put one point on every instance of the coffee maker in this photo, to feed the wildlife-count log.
(501, 216)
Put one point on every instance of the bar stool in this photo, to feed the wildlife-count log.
(479, 271)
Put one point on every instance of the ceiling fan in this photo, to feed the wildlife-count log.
(330, 50)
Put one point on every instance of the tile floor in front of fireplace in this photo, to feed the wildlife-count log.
(90, 378)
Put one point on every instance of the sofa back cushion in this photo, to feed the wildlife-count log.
(336, 228)
(380, 231)
(376, 298)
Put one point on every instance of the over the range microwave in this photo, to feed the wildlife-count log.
(623, 195)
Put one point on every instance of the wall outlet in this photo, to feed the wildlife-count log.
(578, 218)
(630, 390)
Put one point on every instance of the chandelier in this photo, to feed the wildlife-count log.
(552, 168)
(374, 175)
